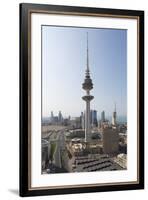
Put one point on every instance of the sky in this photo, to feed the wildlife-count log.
(64, 55)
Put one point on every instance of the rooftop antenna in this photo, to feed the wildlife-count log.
(87, 70)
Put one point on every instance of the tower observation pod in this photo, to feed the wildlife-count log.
(87, 86)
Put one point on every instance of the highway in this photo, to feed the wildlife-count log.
(60, 145)
(55, 134)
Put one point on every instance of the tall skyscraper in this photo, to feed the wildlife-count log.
(87, 86)
(82, 120)
(93, 120)
(60, 118)
(103, 116)
(51, 117)
(114, 117)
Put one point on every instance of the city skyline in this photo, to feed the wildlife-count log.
(120, 118)
(62, 77)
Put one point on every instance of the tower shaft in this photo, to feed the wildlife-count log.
(87, 86)
(87, 122)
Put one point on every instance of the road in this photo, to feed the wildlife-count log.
(60, 145)
(55, 134)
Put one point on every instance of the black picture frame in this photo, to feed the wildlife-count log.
(25, 97)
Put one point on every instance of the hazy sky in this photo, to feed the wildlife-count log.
(64, 65)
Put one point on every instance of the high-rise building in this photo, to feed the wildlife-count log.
(103, 116)
(51, 117)
(60, 117)
(82, 120)
(87, 86)
(77, 122)
(93, 118)
(110, 141)
(114, 117)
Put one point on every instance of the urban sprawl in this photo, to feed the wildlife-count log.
(84, 143)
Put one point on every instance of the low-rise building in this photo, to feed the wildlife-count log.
(94, 162)
(121, 160)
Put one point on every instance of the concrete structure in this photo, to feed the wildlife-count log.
(87, 86)
(110, 141)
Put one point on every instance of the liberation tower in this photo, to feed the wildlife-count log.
(87, 86)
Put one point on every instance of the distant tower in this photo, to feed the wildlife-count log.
(93, 119)
(60, 118)
(82, 120)
(103, 116)
(114, 117)
(87, 86)
(51, 117)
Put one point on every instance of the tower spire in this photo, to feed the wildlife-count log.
(87, 70)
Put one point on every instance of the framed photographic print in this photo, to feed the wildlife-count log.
(81, 99)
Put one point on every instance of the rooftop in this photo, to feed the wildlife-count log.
(95, 163)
